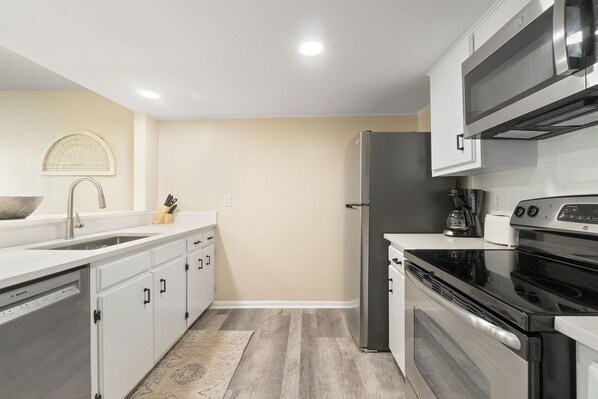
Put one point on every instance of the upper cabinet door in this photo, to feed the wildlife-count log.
(496, 20)
(451, 153)
(449, 149)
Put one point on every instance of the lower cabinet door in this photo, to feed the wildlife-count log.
(169, 305)
(208, 281)
(396, 316)
(392, 311)
(399, 305)
(126, 336)
(195, 285)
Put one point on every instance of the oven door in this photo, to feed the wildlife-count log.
(453, 355)
(534, 61)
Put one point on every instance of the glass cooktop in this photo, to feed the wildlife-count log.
(525, 288)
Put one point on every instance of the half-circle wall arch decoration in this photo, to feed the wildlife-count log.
(80, 153)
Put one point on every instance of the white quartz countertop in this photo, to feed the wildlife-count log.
(583, 329)
(439, 241)
(21, 264)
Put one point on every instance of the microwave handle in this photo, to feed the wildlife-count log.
(503, 336)
(559, 39)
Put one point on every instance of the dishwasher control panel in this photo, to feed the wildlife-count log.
(10, 313)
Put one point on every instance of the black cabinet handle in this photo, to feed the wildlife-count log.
(397, 261)
(461, 147)
(209, 260)
(390, 281)
(200, 263)
(162, 285)
(210, 237)
(147, 298)
(196, 242)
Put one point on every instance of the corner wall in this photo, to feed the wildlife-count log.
(282, 238)
(30, 121)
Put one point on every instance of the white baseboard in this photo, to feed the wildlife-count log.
(280, 304)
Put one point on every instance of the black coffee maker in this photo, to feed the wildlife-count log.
(464, 220)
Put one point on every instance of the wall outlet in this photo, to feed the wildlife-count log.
(499, 200)
(226, 200)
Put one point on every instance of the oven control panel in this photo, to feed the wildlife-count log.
(579, 213)
(572, 213)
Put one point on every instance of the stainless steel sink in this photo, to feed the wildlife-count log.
(96, 243)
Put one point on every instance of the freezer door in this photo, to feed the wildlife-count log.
(356, 237)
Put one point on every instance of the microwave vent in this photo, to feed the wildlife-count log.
(520, 134)
(566, 116)
(582, 120)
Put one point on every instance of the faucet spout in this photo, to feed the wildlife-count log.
(70, 222)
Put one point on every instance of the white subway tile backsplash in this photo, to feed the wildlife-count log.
(567, 165)
(506, 178)
(580, 188)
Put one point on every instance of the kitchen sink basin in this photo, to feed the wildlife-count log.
(97, 243)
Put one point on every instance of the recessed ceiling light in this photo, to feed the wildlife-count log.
(148, 94)
(311, 47)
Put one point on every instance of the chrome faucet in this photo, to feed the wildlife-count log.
(70, 222)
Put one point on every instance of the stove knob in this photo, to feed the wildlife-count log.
(532, 211)
(519, 211)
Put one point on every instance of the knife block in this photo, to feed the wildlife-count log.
(168, 218)
(159, 217)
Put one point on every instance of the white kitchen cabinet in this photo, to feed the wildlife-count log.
(210, 266)
(200, 276)
(502, 12)
(396, 307)
(142, 304)
(450, 151)
(170, 292)
(452, 154)
(587, 372)
(125, 335)
(197, 284)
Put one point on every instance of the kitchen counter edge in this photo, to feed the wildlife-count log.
(22, 264)
(583, 329)
(439, 241)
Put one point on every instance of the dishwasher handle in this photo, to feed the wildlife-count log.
(485, 327)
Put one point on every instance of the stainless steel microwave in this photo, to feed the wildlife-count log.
(537, 77)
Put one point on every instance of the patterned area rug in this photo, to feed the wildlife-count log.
(201, 365)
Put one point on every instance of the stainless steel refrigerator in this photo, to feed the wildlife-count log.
(389, 189)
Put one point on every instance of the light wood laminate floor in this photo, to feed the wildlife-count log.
(303, 353)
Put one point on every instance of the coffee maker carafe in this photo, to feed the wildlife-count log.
(464, 220)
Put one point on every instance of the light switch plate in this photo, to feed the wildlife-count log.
(226, 200)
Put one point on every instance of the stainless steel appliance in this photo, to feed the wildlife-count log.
(480, 324)
(464, 220)
(536, 77)
(389, 189)
(45, 338)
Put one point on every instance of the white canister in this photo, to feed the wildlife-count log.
(498, 230)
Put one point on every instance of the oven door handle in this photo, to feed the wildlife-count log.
(485, 327)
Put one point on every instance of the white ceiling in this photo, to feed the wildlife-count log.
(18, 73)
(228, 59)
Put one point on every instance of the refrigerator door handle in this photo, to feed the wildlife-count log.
(355, 206)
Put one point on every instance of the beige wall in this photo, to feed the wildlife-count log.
(424, 121)
(146, 161)
(30, 121)
(282, 237)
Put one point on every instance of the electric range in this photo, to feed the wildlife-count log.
(484, 319)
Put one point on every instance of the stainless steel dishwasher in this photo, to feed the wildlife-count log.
(45, 338)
